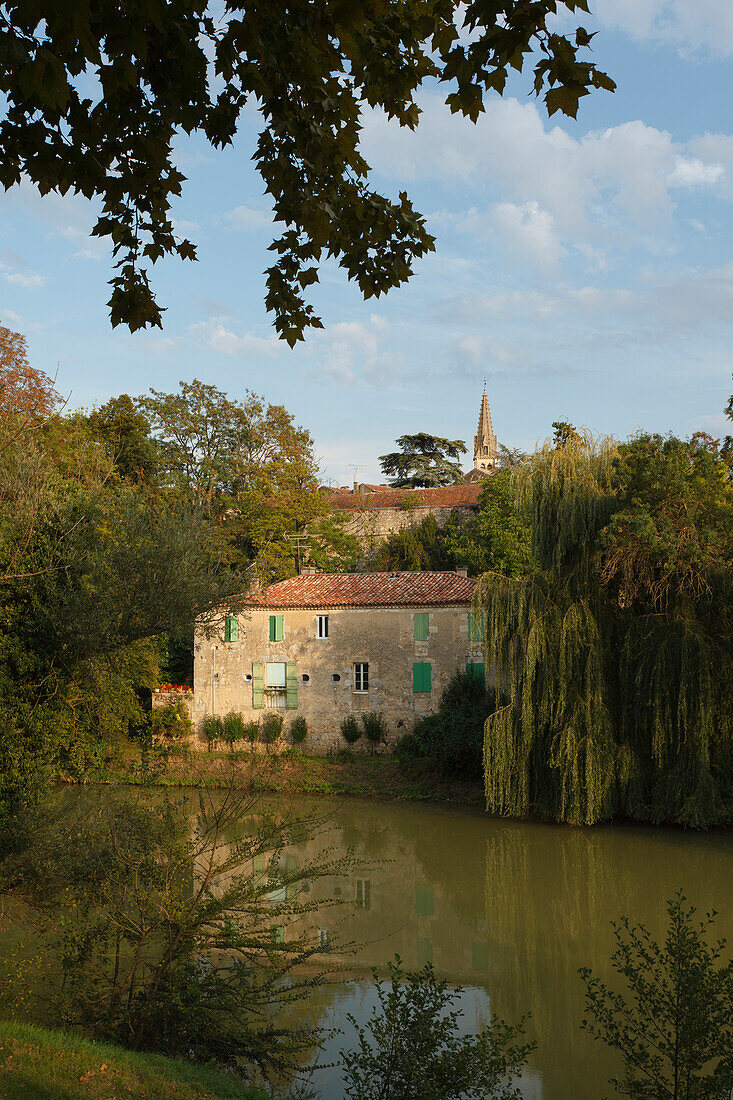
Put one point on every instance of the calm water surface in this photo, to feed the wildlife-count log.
(509, 911)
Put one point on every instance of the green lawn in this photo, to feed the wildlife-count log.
(41, 1064)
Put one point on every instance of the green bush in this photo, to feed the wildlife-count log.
(374, 726)
(211, 727)
(298, 729)
(453, 737)
(232, 727)
(408, 747)
(172, 720)
(272, 726)
(350, 729)
(252, 730)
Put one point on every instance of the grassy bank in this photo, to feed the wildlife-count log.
(379, 778)
(41, 1064)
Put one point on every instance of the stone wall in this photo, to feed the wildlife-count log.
(163, 698)
(382, 637)
(373, 525)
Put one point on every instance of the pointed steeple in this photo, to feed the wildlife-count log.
(484, 442)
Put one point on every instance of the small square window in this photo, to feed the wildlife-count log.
(323, 626)
(363, 893)
(361, 676)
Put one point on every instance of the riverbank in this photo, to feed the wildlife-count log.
(382, 777)
(57, 1065)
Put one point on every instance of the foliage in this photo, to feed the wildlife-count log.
(124, 86)
(350, 729)
(212, 728)
(674, 1024)
(232, 728)
(452, 738)
(496, 538)
(424, 460)
(420, 546)
(614, 650)
(163, 914)
(375, 726)
(124, 432)
(25, 392)
(410, 1048)
(252, 730)
(298, 729)
(172, 720)
(272, 727)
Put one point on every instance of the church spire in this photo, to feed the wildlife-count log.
(484, 442)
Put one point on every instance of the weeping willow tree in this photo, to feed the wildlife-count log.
(613, 654)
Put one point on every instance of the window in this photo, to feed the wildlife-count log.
(477, 669)
(421, 677)
(424, 906)
(276, 674)
(363, 893)
(324, 939)
(424, 950)
(361, 676)
(276, 628)
(422, 626)
(323, 626)
(335, 677)
(231, 628)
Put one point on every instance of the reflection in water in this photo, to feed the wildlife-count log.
(508, 910)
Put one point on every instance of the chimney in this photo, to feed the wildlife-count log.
(462, 571)
(308, 570)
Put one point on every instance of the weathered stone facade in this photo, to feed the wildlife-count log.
(373, 515)
(323, 674)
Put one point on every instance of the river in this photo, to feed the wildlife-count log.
(507, 910)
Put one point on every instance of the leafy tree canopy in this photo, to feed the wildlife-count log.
(424, 461)
(24, 390)
(96, 96)
(125, 434)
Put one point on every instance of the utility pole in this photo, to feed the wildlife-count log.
(297, 539)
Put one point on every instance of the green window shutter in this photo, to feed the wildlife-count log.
(276, 628)
(422, 626)
(231, 629)
(421, 677)
(475, 626)
(291, 686)
(477, 669)
(258, 685)
(424, 951)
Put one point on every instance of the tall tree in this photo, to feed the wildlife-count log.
(423, 461)
(125, 434)
(24, 391)
(96, 95)
(615, 650)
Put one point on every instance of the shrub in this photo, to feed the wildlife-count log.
(272, 726)
(673, 1025)
(172, 720)
(411, 1046)
(298, 729)
(453, 737)
(211, 727)
(350, 729)
(374, 726)
(232, 727)
(252, 730)
(408, 747)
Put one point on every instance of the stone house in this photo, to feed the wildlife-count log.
(328, 645)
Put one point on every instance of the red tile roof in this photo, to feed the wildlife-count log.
(449, 496)
(366, 590)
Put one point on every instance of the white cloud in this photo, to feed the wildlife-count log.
(350, 353)
(217, 337)
(689, 25)
(692, 172)
(548, 191)
(249, 218)
(28, 282)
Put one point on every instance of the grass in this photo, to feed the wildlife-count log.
(378, 777)
(42, 1064)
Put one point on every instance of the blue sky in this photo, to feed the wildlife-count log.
(584, 269)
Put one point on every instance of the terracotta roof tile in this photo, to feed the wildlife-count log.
(449, 496)
(366, 590)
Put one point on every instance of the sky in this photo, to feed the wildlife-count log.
(584, 269)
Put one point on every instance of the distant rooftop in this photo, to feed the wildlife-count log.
(407, 589)
(367, 497)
